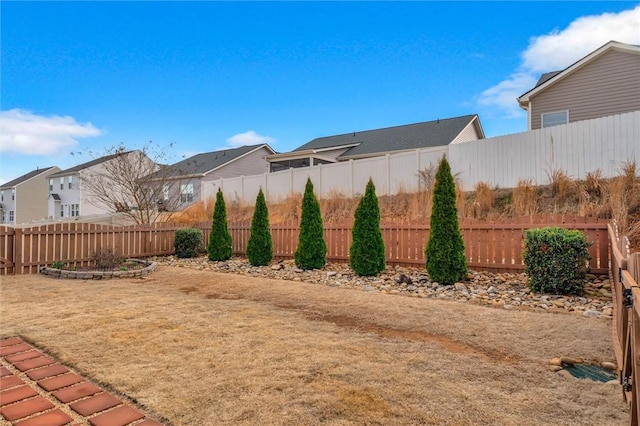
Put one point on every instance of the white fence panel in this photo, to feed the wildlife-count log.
(576, 149)
(336, 178)
(375, 168)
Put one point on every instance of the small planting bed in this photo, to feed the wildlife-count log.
(129, 268)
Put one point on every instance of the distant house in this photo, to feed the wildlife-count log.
(24, 199)
(379, 142)
(605, 82)
(69, 199)
(184, 180)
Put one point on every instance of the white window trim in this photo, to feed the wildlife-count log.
(566, 112)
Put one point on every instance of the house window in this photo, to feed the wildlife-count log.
(50, 185)
(10, 215)
(75, 210)
(62, 182)
(555, 118)
(186, 193)
(2, 196)
(70, 181)
(13, 194)
(61, 210)
(165, 192)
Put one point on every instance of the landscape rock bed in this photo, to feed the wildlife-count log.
(499, 290)
(146, 268)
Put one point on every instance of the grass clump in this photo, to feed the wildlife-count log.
(312, 249)
(188, 242)
(366, 254)
(260, 246)
(220, 242)
(556, 260)
(446, 262)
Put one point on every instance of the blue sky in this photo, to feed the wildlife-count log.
(83, 76)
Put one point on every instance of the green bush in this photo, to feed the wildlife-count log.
(188, 242)
(220, 243)
(366, 254)
(259, 246)
(556, 260)
(446, 262)
(312, 249)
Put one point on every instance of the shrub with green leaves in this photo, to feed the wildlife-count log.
(220, 243)
(556, 260)
(312, 249)
(446, 262)
(259, 246)
(366, 254)
(188, 242)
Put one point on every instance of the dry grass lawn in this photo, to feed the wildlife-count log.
(201, 348)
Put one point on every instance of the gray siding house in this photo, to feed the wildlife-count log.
(185, 179)
(379, 142)
(24, 199)
(605, 82)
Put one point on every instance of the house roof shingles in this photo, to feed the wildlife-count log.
(25, 177)
(200, 164)
(88, 164)
(410, 136)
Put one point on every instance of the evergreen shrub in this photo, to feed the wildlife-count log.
(188, 242)
(259, 246)
(220, 243)
(446, 262)
(312, 249)
(366, 254)
(556, 260)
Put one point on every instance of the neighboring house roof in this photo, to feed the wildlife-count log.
(398, 138)
(88, 164)
(551, 78)
(203, 164)
(25, 177)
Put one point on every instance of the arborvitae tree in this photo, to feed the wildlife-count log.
(259, 246)
(312, 249)
(366, 254)
(446, 262)
(220, 243)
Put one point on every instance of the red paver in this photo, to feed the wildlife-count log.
(10, 341)
(95, 404)
(16, 394)
(8, 382)
(75, 392)
(34, 353)
(14, 349)
(50, 371)
(58, 382)
(52, 418)
(30, 364)
(4, 371)
(117, 417)
(26, 408)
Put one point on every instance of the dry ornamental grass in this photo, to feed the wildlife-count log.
(202, 348)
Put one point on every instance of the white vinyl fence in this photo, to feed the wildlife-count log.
(576, 148)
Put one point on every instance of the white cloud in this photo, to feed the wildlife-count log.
(248, 138)
(23, 132)
(559, 49)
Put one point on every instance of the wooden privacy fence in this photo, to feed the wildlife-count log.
(625, 273)
(494, 246)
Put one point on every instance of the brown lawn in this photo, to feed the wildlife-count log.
(201, 348)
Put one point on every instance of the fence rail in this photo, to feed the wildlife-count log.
(625, 274)
(489, 246)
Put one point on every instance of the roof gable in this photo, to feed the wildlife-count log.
(427, 134)
(201, 164)
(549, 79)
(25, 177)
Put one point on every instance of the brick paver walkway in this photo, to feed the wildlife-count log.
(36, 390)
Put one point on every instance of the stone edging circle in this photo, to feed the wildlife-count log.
(102, 275)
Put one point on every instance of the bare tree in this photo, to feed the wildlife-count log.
(132, 183)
